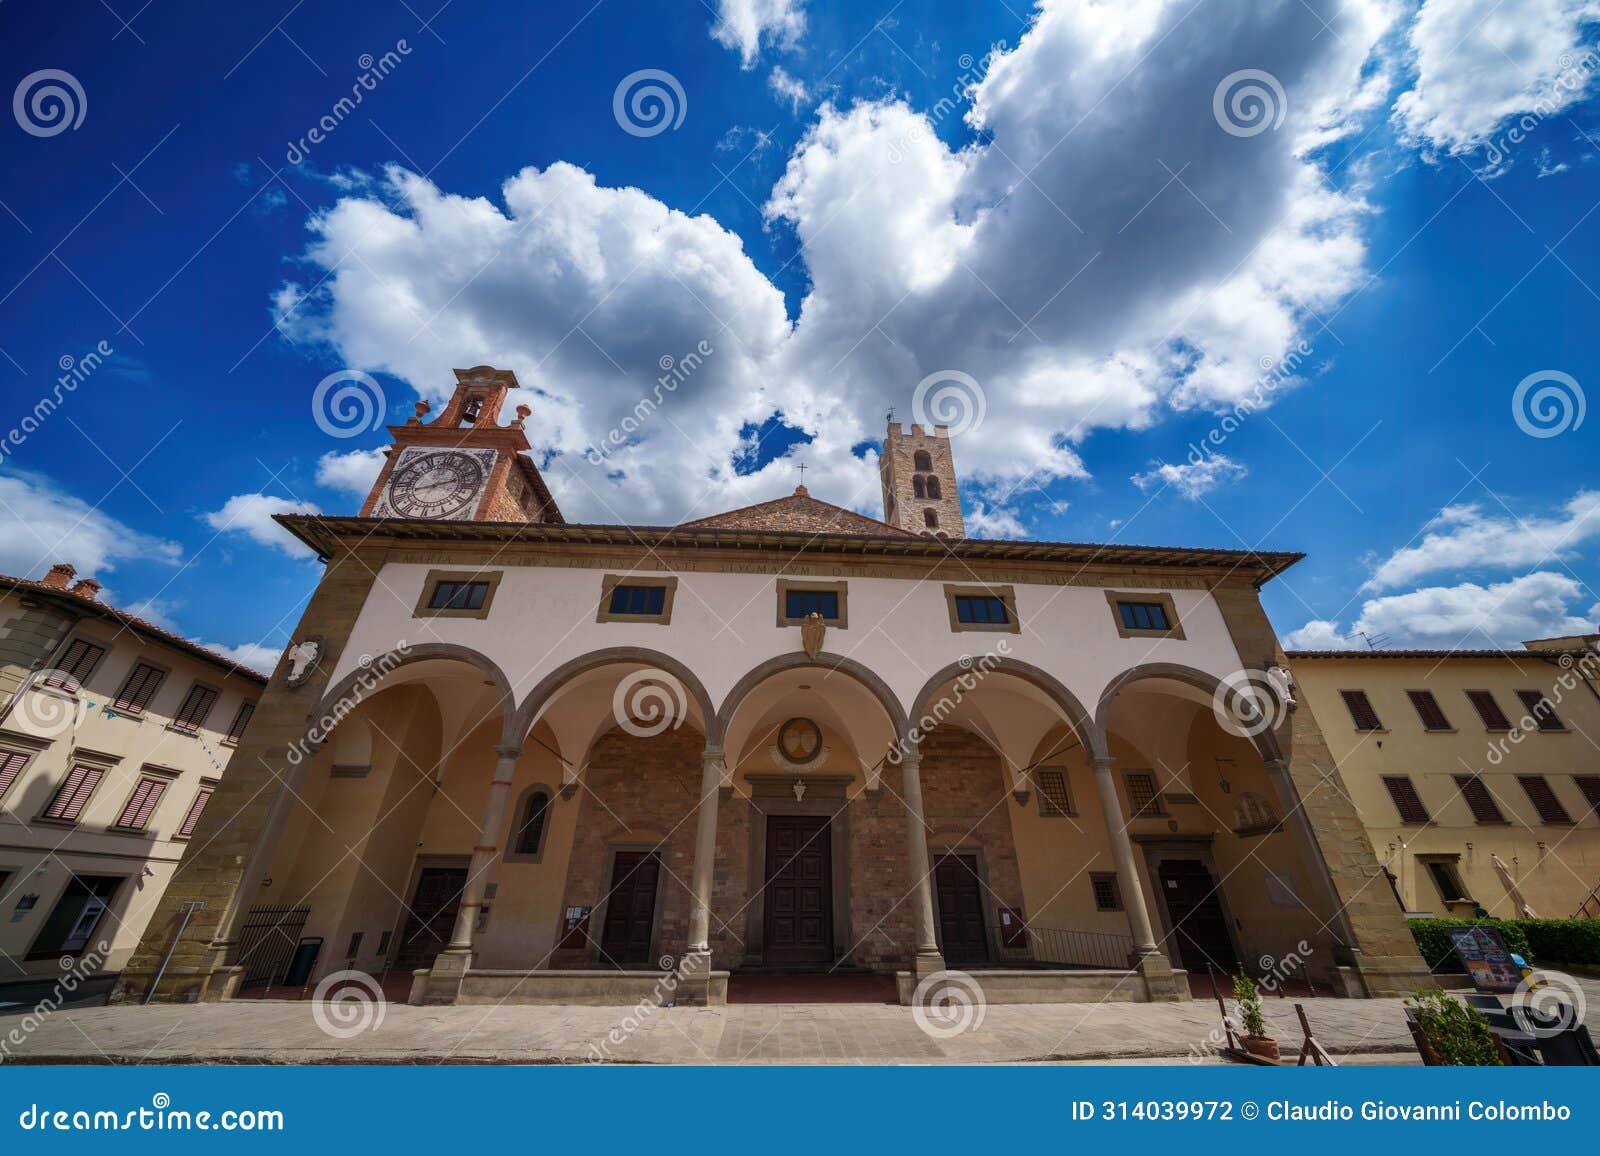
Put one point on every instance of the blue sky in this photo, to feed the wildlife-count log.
(1057, 209)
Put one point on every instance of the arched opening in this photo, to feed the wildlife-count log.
(933, 488)
(921, 460)
(930, 518)
(919, 488)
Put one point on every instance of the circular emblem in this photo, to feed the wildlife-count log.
(800, 740)
(436, 485)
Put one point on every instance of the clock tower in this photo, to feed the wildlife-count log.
(464, 466)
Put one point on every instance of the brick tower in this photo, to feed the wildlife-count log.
(464, 465)
(919, 482)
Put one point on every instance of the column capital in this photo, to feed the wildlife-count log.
(508, 752)
(1102, 762)
(712, 752)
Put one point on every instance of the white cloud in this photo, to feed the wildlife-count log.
(1088, 295)
(744, 25)
(251, 514)
(996, 522)
(252, 654)
(789, 89)
(1464, 538)
(1192, 479)
(43, 525)
(1537, 605)
(1480, 63)
(352, 473)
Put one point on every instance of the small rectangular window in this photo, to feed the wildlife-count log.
(1448, 881)
(1143, 798)
(196, 708)
(1428, 710)
(196, 809)
(383, 944)
(1406, 800)
(1054, 797)
(139, 688)
(1588, 784)
(80, 658)
(240, 721)
(1476, 792)
(981, 609)
(638, 599)
(1541, 710)
(141, 805)
(355, 944)
(1544, 800)
(458, 596)
(1143, 615)
(1107, 895)
(73, 795)
(1489, 711)
(1361, 712)
(800, 603)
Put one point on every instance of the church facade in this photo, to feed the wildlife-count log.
(512, 758)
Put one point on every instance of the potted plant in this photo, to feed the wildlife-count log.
(1256, 1040)
(1453, 1034)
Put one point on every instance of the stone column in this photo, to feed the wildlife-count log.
(928, 960)
(694, 968)
(1128, 874)
(450, 967)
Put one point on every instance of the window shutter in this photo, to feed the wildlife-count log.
(1476, 792)
(196, 707)
(240, 721)
(139, 688)
(196, 808)
(1588, 784)
(1406, 799)
(11, 764)
(146, 797)
(1361, 712)
(74, 793)
(1542, 710)
(1544, 799)
(1428, 710)
(1488, 710)
(76, 664)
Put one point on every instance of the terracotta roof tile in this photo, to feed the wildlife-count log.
(798, 513)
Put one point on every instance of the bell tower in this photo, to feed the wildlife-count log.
(464, 465)
(918, 472)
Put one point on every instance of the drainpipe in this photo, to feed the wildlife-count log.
(190, 906)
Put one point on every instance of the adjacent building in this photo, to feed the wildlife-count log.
(511, 757)
(1476, 772)
(114, 735)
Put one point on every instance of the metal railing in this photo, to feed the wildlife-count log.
(1069, 948)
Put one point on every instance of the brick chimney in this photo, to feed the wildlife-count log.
(60, 575)
(87, 588)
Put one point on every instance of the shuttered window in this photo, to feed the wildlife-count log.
(1428, 710)
(1406, 799)
(1544, 800)
(240, 721)
(142, 804)
(75, 665)
(1361, 712)
(1476, 792)
(74, 793)
(1588, 784)
(196, 706)
(11, 764)
(1054, 797)
(1107, 896)
(139, 688)
(1488, 710)
(196, 808)
(1541, 709)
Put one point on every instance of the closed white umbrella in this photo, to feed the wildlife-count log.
(1512, 889)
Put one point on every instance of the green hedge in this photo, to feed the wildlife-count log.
(1539, 941)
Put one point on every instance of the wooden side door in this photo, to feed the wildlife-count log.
(630, 909)
(798, 914)
(432, 917)
(962, 935)
(1200, 927)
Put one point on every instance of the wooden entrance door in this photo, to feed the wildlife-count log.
(1200, 927)
(962, 934)
(798, 921)
(630, 909)
(432, 917)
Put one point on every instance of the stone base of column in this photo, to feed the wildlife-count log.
(696, 985)
(1163, 983)
(926, 963)
(444, 979)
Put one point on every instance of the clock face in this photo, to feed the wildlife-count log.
(800, 740)
(437, 484)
